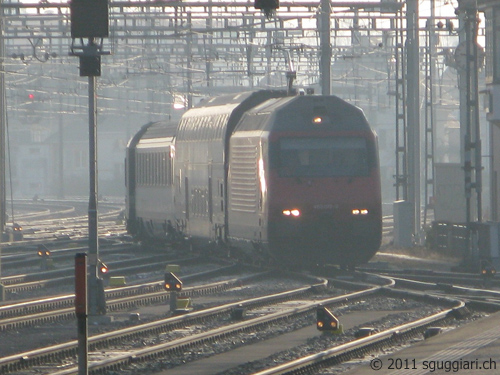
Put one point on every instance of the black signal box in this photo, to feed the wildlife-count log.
(89, 18)
(325, 320)
(266, 4)
(172, 282)
(90, 66)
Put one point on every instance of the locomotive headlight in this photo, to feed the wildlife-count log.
(293, 212)
(359, 211)
(317, 120)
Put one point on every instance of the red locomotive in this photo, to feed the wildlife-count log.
(293, 178)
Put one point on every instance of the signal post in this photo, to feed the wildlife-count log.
(327, 322)
(90, 20)
(81, 311)
(173, 285)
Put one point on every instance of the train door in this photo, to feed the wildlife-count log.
(216, 207)
(210, 201)
(181, 201)
(216, 204)
(209, 192)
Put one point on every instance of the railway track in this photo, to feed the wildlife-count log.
(37, 280)
(28, 313)
(359, 347)
(443, 279)
(7, 364)
(52, 219)
(298, 306)
(163, 342)
(463, 297)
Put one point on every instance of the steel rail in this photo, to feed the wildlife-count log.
(117, 304)
(23, 308)
(355, 348)
(215, 334)
(27, 359)
(18, 283)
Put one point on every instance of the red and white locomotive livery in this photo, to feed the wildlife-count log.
(295, 178)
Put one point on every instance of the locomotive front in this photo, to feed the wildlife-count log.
(323, 186)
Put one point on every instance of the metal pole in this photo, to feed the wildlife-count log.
(3, 124)
(61, 155)
(209, 36)
(91, 21)
(413, 113)
(93, 238)
(325, 47)
(478, 165)
(468, 135)
(189, 53)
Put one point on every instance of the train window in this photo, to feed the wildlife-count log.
(148, 169)
(169, 179)
(339, 156)
(153, 170)
(158, 171)
(139, 168)
(163, 169)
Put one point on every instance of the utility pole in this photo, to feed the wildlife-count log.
(189, 56)
(60, 193)
(467, 62)
(466, 57)
(492, 12)
(325, 46)
(3, 124)
(413, 113)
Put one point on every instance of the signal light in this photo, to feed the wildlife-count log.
(325, 320)
(172, 283)
(487, 269)
(46, 262)
(103, 268)
(31, 96)
(42, 251)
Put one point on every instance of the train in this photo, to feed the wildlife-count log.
(291, 179)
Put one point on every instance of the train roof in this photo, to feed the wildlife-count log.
(156, 131)
(291, 113)
(160, 129)
(215, 118)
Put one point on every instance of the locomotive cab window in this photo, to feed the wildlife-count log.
(309, 157)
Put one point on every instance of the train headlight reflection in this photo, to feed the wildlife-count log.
(293, 212)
